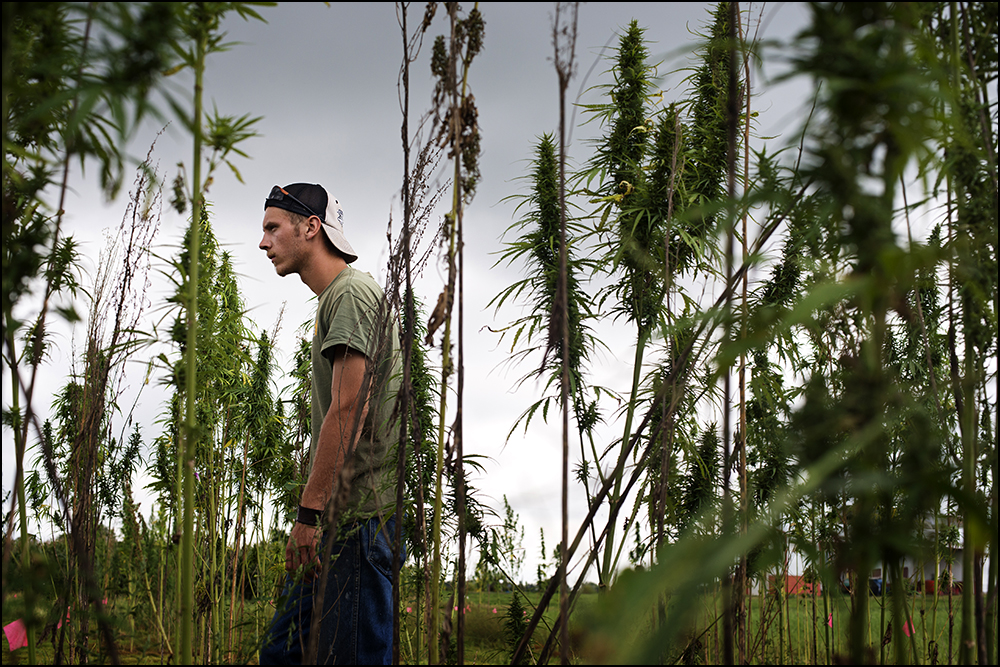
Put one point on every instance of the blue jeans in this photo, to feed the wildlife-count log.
(356, 627)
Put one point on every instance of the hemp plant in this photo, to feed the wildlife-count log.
(537, 247)
(200, 23)
(639, 166)
(617, 167)
(456, 126)
(864, 436)
(963, 40)
(66, 97)
(414, 473)
(656, 180)
(98, 463)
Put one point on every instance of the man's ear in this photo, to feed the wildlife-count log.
(313, 226)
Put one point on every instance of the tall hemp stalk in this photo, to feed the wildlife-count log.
(973, 188)
(413, 472)
(564, 45)
(667, 164)
(741, 599)
(539, 331)
(538, 247)
(618, 164)
(407, 343)
(558, 306)
(459, 130)
(198, 32)
(99, 465)
(732, 122)
(200, 24)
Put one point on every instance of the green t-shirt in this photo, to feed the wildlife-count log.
(352, 311)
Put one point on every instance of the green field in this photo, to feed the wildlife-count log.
(806, 637)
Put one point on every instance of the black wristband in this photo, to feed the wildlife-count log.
(307, 516)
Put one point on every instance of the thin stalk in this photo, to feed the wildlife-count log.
(826, 626)
(211, 627)
(460, 382)
(238, 538)
(951, 346)
(458, 96)
(991, 609)
(666, 420)
(433, 629)
(610, 556)
(899, 613)
(131, 619)
(881, 615)
(780, 592)
(157, 616)
(742, 605)
(812, 586)
(406, 389)
(187, 449)
(458, 430)
(22, 511)
(788, 614)
(446, 369)
(911, 613)
(159, 595)
(937, 574)
(203, 638)
(732, 121)
(967, 421)
(564, 71)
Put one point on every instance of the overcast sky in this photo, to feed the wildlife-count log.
(324, 79)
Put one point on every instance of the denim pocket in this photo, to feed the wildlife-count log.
(379, 550)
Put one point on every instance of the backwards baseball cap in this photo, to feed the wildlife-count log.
(309, 199)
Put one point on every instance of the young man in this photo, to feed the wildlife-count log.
(355, 379)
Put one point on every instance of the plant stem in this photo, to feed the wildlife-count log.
(22, 512)
(189, 431)
(610, 558)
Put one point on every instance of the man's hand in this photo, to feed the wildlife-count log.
(303, 549)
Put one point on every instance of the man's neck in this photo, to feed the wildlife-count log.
(322, 273)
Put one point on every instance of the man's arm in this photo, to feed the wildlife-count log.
(334, 440)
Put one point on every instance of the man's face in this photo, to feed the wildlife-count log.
(283, 241)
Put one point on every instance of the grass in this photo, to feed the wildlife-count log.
(485, 643)
(796, 645)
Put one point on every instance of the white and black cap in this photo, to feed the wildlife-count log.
(309, 199)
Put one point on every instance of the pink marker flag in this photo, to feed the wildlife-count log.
(16, 633)
(829, 621)
(908, 628)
